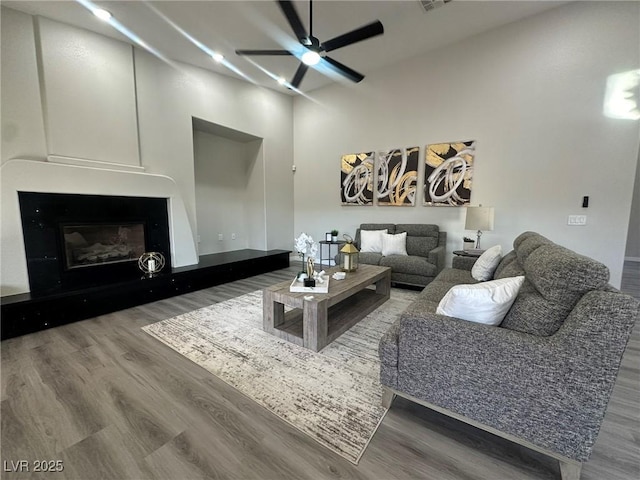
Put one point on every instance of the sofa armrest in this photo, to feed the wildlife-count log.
(552, 391)
(463, 263)
(436, 257)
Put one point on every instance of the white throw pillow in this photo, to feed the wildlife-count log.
(486, 302)
(371, 240)
(394, 244)
(486, 264)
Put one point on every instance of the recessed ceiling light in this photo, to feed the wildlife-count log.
(218, 57)
(102, 14)
(310, 57)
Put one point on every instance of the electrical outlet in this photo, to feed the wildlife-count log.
(233, 236)
(220, 237)
(577, 220)
(198, 238)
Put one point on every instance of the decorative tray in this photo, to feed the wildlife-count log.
(297, 286)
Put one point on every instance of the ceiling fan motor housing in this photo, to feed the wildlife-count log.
(315, 47)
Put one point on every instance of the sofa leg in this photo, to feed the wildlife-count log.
(387, 397)
(570, 470)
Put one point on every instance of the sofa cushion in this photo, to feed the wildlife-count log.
(486, 264)
(527, 243)
(423, 304)
(455, 276)
(532, 314)
(562, 275)
(409, 264)
(507, 261)
(484, 302)
(436, 290)
(556, 280)
(421, 238)
(371, 241)
(390, 227)
(369, 258)
(394, 244)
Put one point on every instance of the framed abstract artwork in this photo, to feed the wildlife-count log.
(397, 176)
(448, 173)
(356, 179)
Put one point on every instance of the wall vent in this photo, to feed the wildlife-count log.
(428, 5)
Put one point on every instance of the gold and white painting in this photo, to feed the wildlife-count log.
(448, 173)
(397, 176)
(356, 179)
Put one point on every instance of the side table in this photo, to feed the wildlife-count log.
(468, 253)
(329, 244)
(464, 259)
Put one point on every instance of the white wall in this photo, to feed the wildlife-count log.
(89, 94)
(225, 193)
(531, 95)
(21, 106)
(255, 207)
(47, 110)
(633, 236)
(169, 97)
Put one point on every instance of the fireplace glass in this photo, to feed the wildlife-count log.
(97, 244)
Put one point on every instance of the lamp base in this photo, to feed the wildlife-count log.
(478, 240)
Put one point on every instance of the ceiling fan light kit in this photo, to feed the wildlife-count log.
(314, 48)
(310, 58)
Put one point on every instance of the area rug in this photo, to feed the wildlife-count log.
(334, 396)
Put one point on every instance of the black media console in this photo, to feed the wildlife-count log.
(29, 312)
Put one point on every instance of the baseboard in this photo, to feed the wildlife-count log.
(632, 259)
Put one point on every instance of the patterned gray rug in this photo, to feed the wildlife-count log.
(334, 395)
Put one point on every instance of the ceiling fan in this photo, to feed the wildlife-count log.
(313, 49)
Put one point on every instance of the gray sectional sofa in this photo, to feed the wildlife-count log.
(543, 378)
(426, 247)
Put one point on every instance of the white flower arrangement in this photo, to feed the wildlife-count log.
(305, 246)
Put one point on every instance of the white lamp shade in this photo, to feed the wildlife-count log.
(479, 218)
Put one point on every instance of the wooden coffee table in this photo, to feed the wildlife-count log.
(315, 322)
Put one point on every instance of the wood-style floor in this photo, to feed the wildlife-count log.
(110, 402)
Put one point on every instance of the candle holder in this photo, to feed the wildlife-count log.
(349, 255)
(151, 263)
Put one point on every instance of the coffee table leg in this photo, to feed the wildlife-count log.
(314, 324)
(383, 286)
(272, 312)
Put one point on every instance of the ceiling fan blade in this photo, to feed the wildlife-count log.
(354, 36)
(297, 78)
(294, 20)
(263, 52)
(344, 70)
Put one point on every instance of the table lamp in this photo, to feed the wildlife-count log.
(479, 218)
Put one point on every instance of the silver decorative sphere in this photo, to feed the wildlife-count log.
(151, 262)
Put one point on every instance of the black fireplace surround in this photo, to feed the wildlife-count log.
(77, 241)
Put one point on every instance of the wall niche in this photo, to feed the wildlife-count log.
(229, 188)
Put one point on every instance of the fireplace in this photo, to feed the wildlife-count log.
(90, 244)
(78, 241)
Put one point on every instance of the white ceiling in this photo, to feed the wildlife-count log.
(225, 26)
